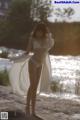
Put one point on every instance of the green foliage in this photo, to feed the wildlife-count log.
(19, 16)
(3, 29)
(17, 24)
(4, 54)
(42, 10)
(64, 13)
(16, 28)
(4, 78)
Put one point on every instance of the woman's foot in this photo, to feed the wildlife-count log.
(35, 116)
(27, 111)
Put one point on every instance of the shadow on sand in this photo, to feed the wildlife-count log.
(19, 115)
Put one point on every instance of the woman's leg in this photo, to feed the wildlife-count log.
(28, 101)
(32, 75)
(36, 82)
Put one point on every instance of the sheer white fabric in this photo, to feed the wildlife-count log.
(19, 76)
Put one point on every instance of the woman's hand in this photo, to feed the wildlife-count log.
(29, 47)
(26, 53)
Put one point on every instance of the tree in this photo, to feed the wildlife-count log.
(19, 16)
(64, 13)
(20, 20)
(41, 10)
(18, 24)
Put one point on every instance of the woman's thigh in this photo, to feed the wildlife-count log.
(39, 72)
(34, 74)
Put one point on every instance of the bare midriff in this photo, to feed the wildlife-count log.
(39, 55)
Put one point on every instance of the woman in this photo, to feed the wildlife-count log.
(40, 43)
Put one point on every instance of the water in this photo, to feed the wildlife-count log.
(65, 72)
(5, 64)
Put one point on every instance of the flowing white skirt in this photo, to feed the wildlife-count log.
(19, 76)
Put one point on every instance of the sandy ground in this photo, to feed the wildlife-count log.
(46, 108)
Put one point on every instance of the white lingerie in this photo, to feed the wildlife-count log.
(41, 48)
(19, 74)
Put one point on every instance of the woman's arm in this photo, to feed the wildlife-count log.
(50, 41)
(29, 47)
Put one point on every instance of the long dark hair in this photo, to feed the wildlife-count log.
(40, 27)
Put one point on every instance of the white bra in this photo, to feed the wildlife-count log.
(48, 44)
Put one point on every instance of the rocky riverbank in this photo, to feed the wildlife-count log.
(46, 108)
